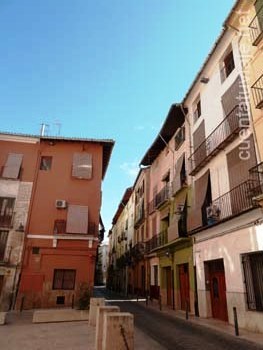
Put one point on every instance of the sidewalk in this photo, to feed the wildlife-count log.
(216, 325)
(21, 334)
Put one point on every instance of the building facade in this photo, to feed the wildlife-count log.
(225, 220)
(50, 200)
(18, 157)
(200, 245)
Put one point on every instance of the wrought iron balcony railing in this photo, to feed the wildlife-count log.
(139, 214)
(137, 251)
(235, 202)
(256, 27)
(223, 134)
(157, 241)
(60, 228)
(162, 196)
(257, 92)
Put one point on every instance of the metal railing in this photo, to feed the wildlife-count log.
(139, 214)
(157, 241)
(60, 227)
(162, 196)
(138, 250)
(256, 27)
(224, 133)
(236, 201)
(257, 92)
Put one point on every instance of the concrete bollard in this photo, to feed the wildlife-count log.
(2, 318)
(118, 331)
(101, 311)
(94, 304)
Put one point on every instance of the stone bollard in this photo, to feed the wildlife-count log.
(118, 331)
(2, 318)
(94, 304)
(101, 311)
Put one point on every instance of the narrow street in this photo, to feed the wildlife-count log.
(175, 333)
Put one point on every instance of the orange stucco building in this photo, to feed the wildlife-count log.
(63, 223)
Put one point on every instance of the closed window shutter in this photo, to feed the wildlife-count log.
(199, 144)
(194, 220)
(12, 166)
(77, 219)
(238, 169)
(82, 165)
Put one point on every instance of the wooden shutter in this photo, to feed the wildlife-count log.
(77, 219)
(177, 179)
(12, 166)
(199, 144)
(238, 169)
(82, 165)
(200, 189)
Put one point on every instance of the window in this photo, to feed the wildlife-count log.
(253, 278)
(6, 211)
(35, 250)
(82, 165)
(179, 138)
(228, 65)
(3, 240)
(155, 275)
(197, 109)
(64, 279)
(45, 163)
(60, 300)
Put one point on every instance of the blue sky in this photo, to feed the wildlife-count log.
(104, 69)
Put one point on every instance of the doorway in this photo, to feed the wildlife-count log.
(218, 289)
(184, 286)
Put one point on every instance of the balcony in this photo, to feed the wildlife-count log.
(139, 215)
(5, 253)
(162, 196)
(233, 203)
(222, 135)
(256, 27)
(257, 92)
(138, 251)
(61, 225)
(256, 176)
(157, 241)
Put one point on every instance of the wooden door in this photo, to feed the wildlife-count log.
(169, 285)
(184, 286)
(218, 295)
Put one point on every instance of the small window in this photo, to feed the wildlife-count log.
(179, 138)
(228, 65)
(45, 163)
(64, 279)
(35, 250)
(197, 110)
(3, 240)
(6, 211)
(253, 275)
(60, 300)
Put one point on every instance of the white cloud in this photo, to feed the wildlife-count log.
(130, 168)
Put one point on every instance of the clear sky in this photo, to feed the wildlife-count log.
(103, 69)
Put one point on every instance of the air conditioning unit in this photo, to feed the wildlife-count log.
(61, 204)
